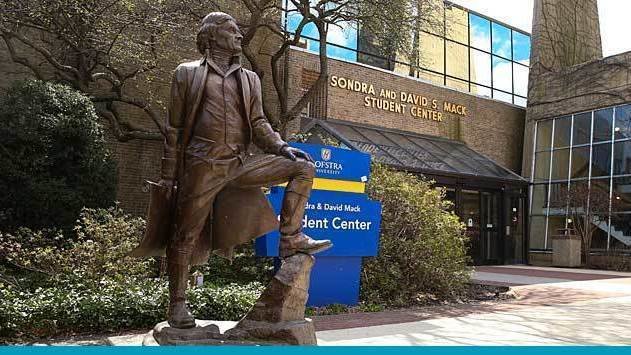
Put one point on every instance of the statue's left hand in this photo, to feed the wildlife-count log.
(295, 153)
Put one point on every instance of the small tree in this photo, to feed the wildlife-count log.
(53, 157)
(587, 207)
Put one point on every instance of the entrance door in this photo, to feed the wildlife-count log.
(514, 233)
(480, 212)
(470, 215)
(491, 248)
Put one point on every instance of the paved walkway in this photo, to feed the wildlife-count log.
(553, 307)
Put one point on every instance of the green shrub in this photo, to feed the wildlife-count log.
(53, 157)
(54, 285)
(422, 252)
(245, 267)
(112, 305)
(103, 239)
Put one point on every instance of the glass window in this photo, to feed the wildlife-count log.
(373, 52)
(580, 162)
(341, 53)
(622, 158)
(562, 131)
(539, 199)
(400, 67)
(432, 52)
(560, 164)
(457, 61)
(343, 35)
(480, 67)
(582, 128)
(599, 236)
(437, 14)
(554, 224)
(520, 101)
(502, 96)
(598, 196)
(620, 231)
(621, 198)
(544, 135)
(293, 20)
(623, 122)
(456, 23)
(521, 48)
(601, 159)
(480, 32)
(520, 78)
(480, 90)
(431, 77)
(542, 166)
(458, 84)
(537, 232)
(558, 200)
(502, 74)
(501, 41)
(602, 127)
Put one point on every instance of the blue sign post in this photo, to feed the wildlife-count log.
(349, 219)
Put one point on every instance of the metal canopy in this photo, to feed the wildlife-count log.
(412, 152)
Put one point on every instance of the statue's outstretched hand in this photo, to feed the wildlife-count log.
(295, 153)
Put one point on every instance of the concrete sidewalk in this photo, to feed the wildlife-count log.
(553, 307)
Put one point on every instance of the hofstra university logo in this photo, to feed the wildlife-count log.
(325, 154)
(326, 166)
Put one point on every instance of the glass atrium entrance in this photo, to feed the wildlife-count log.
(489, 199)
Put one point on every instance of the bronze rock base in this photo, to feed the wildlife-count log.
(209, 332)
(277, 317)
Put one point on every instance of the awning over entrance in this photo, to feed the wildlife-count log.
(412, 152)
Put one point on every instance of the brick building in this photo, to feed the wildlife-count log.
(457, 118)
(456, 115)
(577, 135)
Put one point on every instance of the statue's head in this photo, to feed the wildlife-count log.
(219, 30)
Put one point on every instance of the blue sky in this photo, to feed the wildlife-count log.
(614, 18)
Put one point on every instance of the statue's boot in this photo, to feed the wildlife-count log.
(302, 243)
(292, 239)
(178, 316)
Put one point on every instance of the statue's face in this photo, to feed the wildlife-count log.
(228, 37)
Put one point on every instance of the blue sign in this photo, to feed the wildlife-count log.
(351, 221)
(338, 163)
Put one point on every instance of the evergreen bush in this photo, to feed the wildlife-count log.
(53, 157)
(422, 251)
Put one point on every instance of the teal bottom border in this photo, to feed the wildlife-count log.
(308, 350)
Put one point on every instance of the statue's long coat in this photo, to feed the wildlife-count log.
(239, 215)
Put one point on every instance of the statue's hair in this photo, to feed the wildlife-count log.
(208, 29)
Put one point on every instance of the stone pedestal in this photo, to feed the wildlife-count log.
(566, 250)
(278, 317)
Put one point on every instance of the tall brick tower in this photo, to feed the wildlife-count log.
(564, 33)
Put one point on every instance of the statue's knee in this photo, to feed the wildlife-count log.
(307, 168)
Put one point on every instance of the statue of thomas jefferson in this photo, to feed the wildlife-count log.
(210, 198)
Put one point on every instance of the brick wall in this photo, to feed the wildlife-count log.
(490, 127)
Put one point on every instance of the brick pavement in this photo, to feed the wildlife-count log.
(569, 289)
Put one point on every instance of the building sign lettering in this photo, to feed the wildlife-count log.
(401, 102)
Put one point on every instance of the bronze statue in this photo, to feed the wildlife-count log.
(210, 198)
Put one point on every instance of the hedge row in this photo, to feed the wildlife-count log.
(112, 305)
